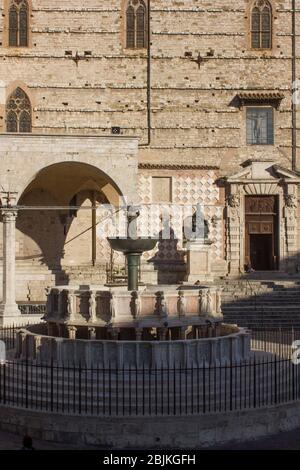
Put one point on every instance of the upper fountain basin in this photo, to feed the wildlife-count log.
(130, 245)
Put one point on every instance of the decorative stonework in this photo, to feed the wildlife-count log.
(234, 200)
(262, 178)
(102, 307)
(188, 190)
(232, 344)
(291, 201)
(258, 189)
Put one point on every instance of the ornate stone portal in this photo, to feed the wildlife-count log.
(263, 179)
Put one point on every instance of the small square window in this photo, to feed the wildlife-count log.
(260, 126)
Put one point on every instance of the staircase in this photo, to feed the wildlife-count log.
(257, 303)
(84, 274)
(32, 278)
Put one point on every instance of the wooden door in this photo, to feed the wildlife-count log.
(261, 232)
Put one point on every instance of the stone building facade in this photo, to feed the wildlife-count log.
(185, 102)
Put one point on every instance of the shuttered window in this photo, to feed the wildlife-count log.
(260, 126)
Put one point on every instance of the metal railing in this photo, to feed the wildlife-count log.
(277, 341)
(268, 378)
(109, 391)
(32, 308)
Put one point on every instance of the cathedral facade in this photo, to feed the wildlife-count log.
(161, 102)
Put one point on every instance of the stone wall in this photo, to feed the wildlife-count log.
(180, 432)
(198, 132)
(194, 119)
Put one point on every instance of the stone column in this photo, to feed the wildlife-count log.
(114, 333)
(290, 214)
(210, 331)
(51, 329)
(138, 334)
(234, 228)
(49, 303)
(183, 333)
(162, 334)
(59, 329)
(92, 333)
(37, 345)
(181, 304)
(203, 302)
(72, 330)
(9, 309)
(209, 302)
(71, 308)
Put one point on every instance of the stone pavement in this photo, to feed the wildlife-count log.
(282, 441)
(9, 441)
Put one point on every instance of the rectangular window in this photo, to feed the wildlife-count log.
(260, 126)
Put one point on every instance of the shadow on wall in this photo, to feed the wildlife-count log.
(55, 237)
(169, 261)
(41, 234)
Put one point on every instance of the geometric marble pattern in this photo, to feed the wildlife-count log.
(195, 189)
(186, 191)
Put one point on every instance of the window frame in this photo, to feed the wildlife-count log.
(19, 45)
(250, 28)
(19, 112)
(135, 48)
(260, 107)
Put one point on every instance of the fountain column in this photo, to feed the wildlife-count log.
(133, 263)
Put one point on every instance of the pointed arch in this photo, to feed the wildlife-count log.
(18, 18)
(18, 112)
(261, 25)
(136, 24)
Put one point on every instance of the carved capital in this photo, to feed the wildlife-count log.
(10, 198)
(234, 200)
(291, 201)
(9, 216)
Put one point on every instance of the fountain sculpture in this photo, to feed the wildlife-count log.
(140, 326)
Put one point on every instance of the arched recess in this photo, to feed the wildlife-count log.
(49, 230)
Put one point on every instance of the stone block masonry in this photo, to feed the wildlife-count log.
(194, 118)
(156, 432)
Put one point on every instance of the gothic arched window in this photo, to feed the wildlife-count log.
(18, 112)
(136, 24)
(18, 18)
(261, 25)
